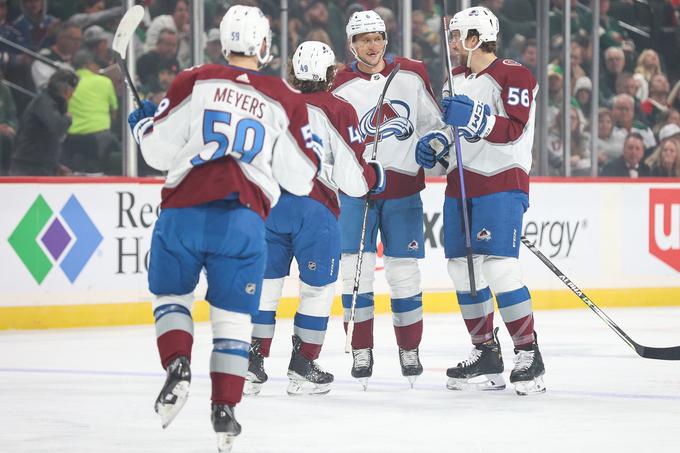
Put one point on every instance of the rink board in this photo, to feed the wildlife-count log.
(73, 252)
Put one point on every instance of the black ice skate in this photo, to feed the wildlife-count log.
(410, 364)
(362, 367)
(306, 377)
(225, 425)
(256, 375)
(527, 375)
(481, 371)
(175, 391)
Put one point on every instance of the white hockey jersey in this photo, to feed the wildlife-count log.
(501, 161)
(409, 111)
(336, 127)
(224, 130)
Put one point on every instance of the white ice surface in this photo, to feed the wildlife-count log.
(92, 390)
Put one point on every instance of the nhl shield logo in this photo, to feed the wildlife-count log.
(311, 266)
(251, 288)
(484, 235)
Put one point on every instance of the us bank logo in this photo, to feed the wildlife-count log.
(44, 239)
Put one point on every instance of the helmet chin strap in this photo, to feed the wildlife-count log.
(470, 50)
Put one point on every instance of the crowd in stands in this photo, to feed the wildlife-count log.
(639, 85)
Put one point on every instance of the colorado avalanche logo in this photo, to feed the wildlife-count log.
(394, 122)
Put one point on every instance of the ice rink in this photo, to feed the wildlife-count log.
(92, 390)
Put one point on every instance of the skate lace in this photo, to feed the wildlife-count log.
(409, 357)
(475, 354)
(362, 358)
(523, 360)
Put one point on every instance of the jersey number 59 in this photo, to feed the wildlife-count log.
(248, 138)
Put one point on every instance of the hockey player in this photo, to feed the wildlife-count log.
(409, 111)
(228, 137)
(493, 107)
(307, 227)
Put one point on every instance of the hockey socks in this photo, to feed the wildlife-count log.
(264, 324)
(174, 332)
(478, 314)
(407, 317)
(228, 368)
(363, 319)
(515, 308)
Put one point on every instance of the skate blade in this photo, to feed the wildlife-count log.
(301, 386)
(168, 412)
(364, 383)
(533, 387)
(251, 388)
(225, 441)
(411, 380)
(485, 382)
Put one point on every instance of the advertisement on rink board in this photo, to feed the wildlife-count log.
(88, 242)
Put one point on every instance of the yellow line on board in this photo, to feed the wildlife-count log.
(61, 316)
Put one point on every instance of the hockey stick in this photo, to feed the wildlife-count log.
(672, 353)
(121, 41)
(459, 162)
(362, 240)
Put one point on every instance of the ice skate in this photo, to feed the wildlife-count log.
(256, 375)
(362, 367)
(481, 371)
(225, 425)
(175, 391)
(527, 375)
(306, 377)
(410, 364)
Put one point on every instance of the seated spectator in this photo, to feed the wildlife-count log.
(36, 27)
(42, 129)
(176, 19)
(148, 66)
(8, 55)
(68, 43)
(614, 64)
(555, 91)
(213, 48)
(91, 147)
(670, 131)
(630, 163)
(529, 55)
(421, 32)
(648, 65)
(96, 13)
(656, 103)
(166, 75)
(98, 42)
(582, 99)
(392, 28)
(665, 160)
(576, 59)
(623, 107)
(580, 147)
(8, 126)
(608, 147)
(674, 96)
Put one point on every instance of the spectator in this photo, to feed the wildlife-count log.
(576, 63)
(98, 41)
(582, 99)
(91, 146)
(626, 84)
(96, 13)
(608, 147)
(213, 47)
(178, 21)
(8, 126)
(648, 65)
(529, 56)
(580, 147)
(166, 75)
(555, 91)
(36, 27)
(392, 29)
(670, 130)
(316, 20)
(630, 163)
(42, 129)
(433, 14)
(656, 103)
(614, 62)
(674, 96)
(623, 107)
(148, 66)
(8, 55)
(68, 43)
(665, 160)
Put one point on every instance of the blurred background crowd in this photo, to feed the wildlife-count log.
(70, 119)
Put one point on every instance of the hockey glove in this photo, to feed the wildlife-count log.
(380, 177)
(472, 118)
(431, 147)
(141, 119)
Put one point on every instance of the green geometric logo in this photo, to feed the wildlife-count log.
(69, 239)
(24, 239)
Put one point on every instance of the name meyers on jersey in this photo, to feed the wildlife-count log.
(240, 100)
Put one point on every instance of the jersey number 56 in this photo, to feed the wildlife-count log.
(248, 138)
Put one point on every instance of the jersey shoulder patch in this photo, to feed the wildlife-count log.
(510, 62)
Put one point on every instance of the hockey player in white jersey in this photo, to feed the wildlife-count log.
(409, 111)
(228, 137)
(307, 227)
(493, 107)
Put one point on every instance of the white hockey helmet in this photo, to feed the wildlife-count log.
(476, 18)
(311, 61)
(242, 30)
(365, 22)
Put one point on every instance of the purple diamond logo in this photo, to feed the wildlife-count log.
(56, 239)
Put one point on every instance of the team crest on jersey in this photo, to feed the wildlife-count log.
(395, 122)
(511, 63)
(484, 235)
(413, 246)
